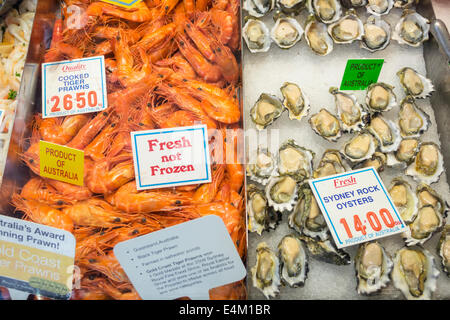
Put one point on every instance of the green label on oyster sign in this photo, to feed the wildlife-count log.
(360, 73)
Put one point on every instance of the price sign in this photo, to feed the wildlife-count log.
(356, 207)
(73, 87)
(360, 73)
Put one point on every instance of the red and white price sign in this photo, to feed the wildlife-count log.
(357, 207)
(73, 87)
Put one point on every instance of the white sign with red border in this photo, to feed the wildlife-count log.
(171, 157)
(357, 207)
(73, 87)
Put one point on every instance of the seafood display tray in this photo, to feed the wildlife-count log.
(266, 73)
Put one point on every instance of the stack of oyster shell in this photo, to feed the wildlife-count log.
(278, 186)
(331, 22)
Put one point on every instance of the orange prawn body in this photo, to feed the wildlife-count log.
(103, 179)
(139, 13)
(37, 189)
(61, 131)
(200, 40)
(223, 22)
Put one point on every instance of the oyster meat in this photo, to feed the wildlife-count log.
(377, 34)
(266, 110)
(265, 274)
(352, 115)
(405, 3)
(348, 29)
(414, 83)
(330, 164)
(326, 11)
(317, 37)
(412, 29)
(386, 132)
(286, 32)
(361, 147)
(256, 36)
(411, 119)
(260, 216)
(258, 8)
(281, 193)
(427, 221)
(326, 251)
(428, 196)
(428, 165)
(261, 166)
(326, 125)
(379, 7)
(378, 161)
(404, 199)
(354, 3)
(373, 266)
(405, 153)
(295, 101)
(307, 218)
(380, 97)
(293, 261)
(444, 249)
(295, 161)
(415, 273)
(291, 6)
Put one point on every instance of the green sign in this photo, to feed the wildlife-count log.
(360, 73)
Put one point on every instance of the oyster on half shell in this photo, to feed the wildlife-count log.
(414, 83)
(373, 266)
(405, 3)
(444, 249)
(330, 164)
(427, 221)
(317, 36)
(428, 164)
(378, 161)
(266, 110)
(326, 11)
(404, 154)
(260, 216)
(326, 251)
(361, 147)
(256, 35)
(411, 119)
(295, 161)
(354, 3)
(380, 97)
(377, 34)
(404, 199)
(261, 166)
(326, 125)
(412, 29)
(386, 132)
(258, 8)
(265, 274)
(291, 6)
(286, 32)
(293, 261)
(428, 196)
(379, 7)
(348, 29)
(295, 101)
(415, 273)
(281, 193)
(352, 115)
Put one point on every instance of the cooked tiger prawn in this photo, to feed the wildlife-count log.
(139, 13)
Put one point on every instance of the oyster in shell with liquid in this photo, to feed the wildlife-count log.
(404, 154)
(411, 119)
(266, 110)
(265, 273)
(373, 266)
(427, 221)
(415, 273)
(256, 35)
(330, 164)
(258, 8)
(359, 148)
(377, 34)
(378, 161)
(326, 251)
(444, 249)
(326, 125)
(379, 7)
(307, 218)
(261, 166)
(352, 115)
(326, 11)
(293, 261)
(386, 132)
(281, 193)
(317, 37)
(428, 164)
(380, 97)
(414, 83)
(295, 101)
(286, 32)
(405, 200)
(428, 196)
(260, 216)
(348, 29)
(412, 29)
(295, 161)
(291, 6)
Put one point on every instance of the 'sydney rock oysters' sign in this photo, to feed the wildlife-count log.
(171, 157)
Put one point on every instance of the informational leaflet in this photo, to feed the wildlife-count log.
(73, 87)
(360, 73)
(171, 157)
(186, 260)
(356, 207)
(36, 259)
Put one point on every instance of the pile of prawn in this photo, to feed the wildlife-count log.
(169, 63)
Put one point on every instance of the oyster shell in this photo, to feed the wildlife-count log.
(377, 34)
(414, 83)
(348, 29)
(260, 216)
(427, 221)
(256, 36)
(317, 37)
(361, 147)
(352, 115)
(404, 199)
(258, 8)
(286, 32)
(380, 97)
(411, 119)
(378, 161)
(261, 166)
(444, 249)
(291, 6)
(405, 3)
(354, 3)
(405, 153)
(373, 266)
(326, 125)
(295, 101)
(428, 165)
(266, 110)
(326, 11)
(307, 218)
(330, 164)
(281, 193)
(428, 196)
(386, 132)
(295, 161)
(415, 273)
(265, 272)
(293, 261)
(379, 7)
(412, 29)
(326, 251)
